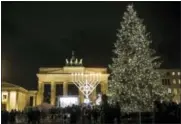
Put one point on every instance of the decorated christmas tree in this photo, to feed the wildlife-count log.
(135, 80)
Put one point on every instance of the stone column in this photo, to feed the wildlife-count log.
(104, 87)
(8, 102)
(40, 97)
(94, 94)
(65, 88)
(34, 101)
(81, 97)
(53, 93)
(17, 96)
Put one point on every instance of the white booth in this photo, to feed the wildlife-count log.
(68, 101)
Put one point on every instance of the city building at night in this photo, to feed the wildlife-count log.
(58, 85)
(16, 97)
(61, 83)
(172, 79)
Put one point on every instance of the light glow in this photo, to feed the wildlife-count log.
(175, 91)
(68, 101)
(86, 100)
(174, 81)
(169, 90)
(178, 73)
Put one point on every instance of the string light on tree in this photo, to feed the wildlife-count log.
(135, 82)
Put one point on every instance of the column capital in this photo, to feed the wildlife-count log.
(53, 83)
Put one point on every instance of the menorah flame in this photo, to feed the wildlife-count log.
(86, 82)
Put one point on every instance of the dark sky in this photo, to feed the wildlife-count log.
(43, 34)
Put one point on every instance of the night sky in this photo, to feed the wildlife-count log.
(43, 34)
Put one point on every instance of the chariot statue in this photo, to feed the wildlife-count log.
(73, 61)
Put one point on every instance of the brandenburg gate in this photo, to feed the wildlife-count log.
(54, 76)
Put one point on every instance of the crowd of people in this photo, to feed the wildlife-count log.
(85, 114)
(10, 117)
(165, 112)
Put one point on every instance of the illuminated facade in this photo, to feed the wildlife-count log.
(16, 97)
(172, 80)
(63, 76)
(73, 73)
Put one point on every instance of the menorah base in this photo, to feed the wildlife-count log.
(86, 101)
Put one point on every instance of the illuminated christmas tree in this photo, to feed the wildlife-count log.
(135, 81)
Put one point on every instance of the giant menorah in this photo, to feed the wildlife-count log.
(86, 82)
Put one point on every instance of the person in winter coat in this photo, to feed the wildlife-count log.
(73, 116)
(4, 117)
(118, 113)
(95, 115)
(12, 117)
